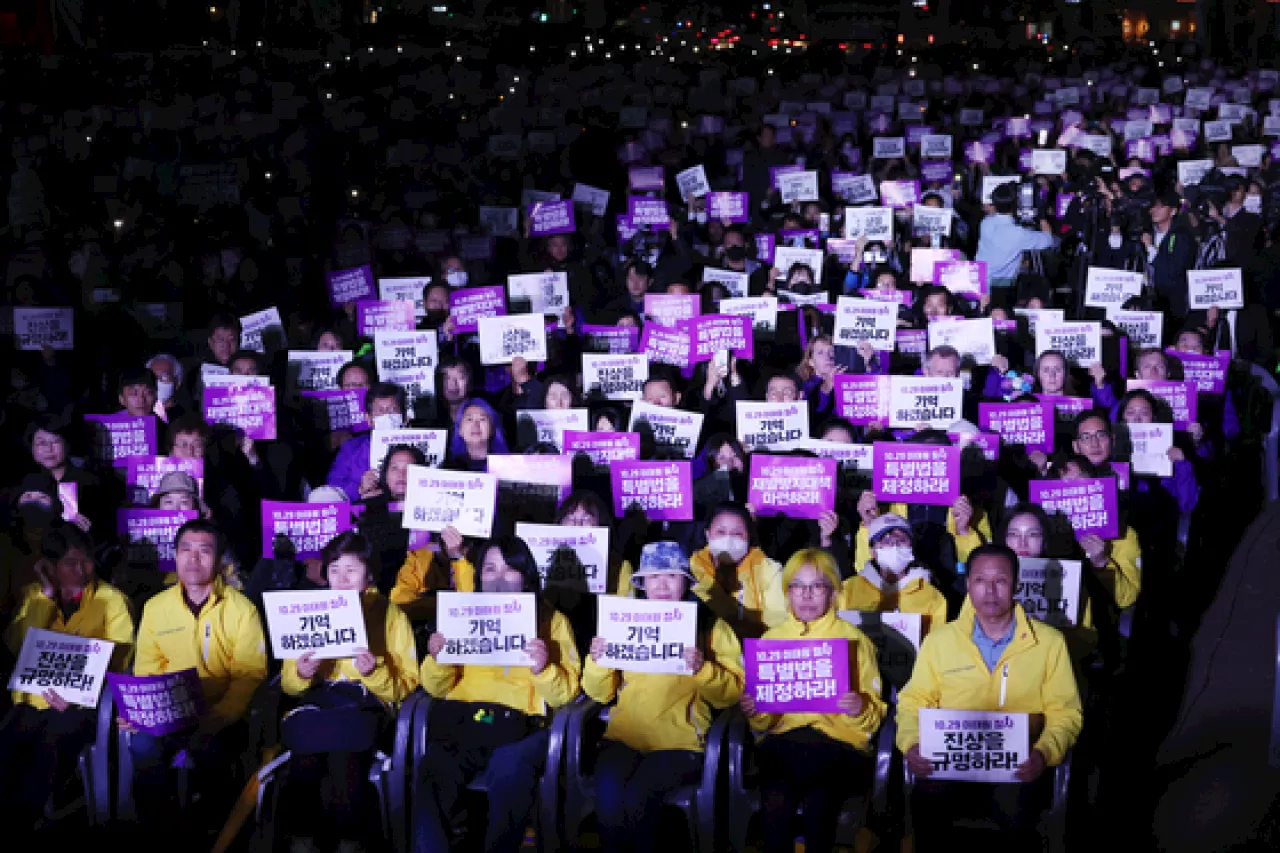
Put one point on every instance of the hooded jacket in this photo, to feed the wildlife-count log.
(869, 592)
(422, 575)
(760, 596)
(979, 533)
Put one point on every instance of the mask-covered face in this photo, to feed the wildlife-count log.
(894, 558)
(394, 420)
(736, 253)
(735, 547)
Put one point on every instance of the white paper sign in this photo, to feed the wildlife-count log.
(408, 359)
(798, 186)
(1049, 590)
(673, 429)
(693, 183)
(771, 426)
(734, 282)
(932, 221)
(888, 147)
(990, 182)
(1144, 329)
(503, 339)
(591, 197)
(1081, 343)
(432, 443)
(763, 311)
(1215, 288)
(500, 221)
(935, 146)
(858, 189)
(1248, 156)
(1098, 143)
(551, 423)
(1108, 288)
(252, 327)
(574, 557)
(859, 320)
(486, 628)
(646, 636)
(1048, 161)
(1217, 131)
(73, 667)
(1151, 443)
(1198, 98)
(37, 328)
(436, 499)
(616, 377)
(971, 338)
(874, 223)
(915, 400)
(329, 623)
(895, 635)
(1190, 172)
(546, 292)
(785, 257)
(409, 289)
(974, 746)
(1035, 316)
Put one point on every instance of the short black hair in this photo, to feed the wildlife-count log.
(990, 549)
(383, 391)
(1004, 198)
(516, 554)
(252, 355)
(342, 371)
(131, 376)
(201, 525)
(1086, 415)
(349, 542)
(224, 321)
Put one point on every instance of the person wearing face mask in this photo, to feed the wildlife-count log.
(815, 760)
(36, 509)
(735, 578)
(493, 721)
(435, 302)
(168, 374)
(893, 580)
(385, 404)
(657, 728)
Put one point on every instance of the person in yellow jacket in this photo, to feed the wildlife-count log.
(968, 527)
(737, 581)
(893, 579)
(815, 759)
(657, 731)
(1116, 563)
(205, 624)
(991, 658)
(343, 703)
(44, 732)
(493, 720)
(425, 573)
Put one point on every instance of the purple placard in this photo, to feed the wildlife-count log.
(372, 315)
(794, 486)
(1028, 424)
(1024, 159)
(967, 278)
(309, 526)
(647, 211)
(861, 399)
(979, 152)
(551, 217)
(69, 494)
(912, 342)
(468, 306)
(765, 244)
(646, 178)
(118, 438)
(159, 704)
(537, 470)
(899, 194)
(809, 238)
(902, 297)
(610, 339)
(1142, 149)
(1062, 204)
(144, 474)
(916, 132)
(711, 333)
(1066, 408)
(989, 442)
(672, 309)
(1004, 327)
(1208, 372)
(350, 285)
(667, 346)
(149, 535)
(728, 207)
(625, 229)
(797, 676)
(916, 473)
(337, 409)
(937, 171)
(1121, 470)
(664, 490)
(249, 408)
(1181, 397)
(603, 448)
(776, 172)
(1090, 504)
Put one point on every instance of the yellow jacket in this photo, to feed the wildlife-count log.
(1122, 576)
(656, 711)
(514, 686)
(914, 594)
(390, 641)
(225, 645)
(761, 594)
(421, 575)
(864, 679)
(103, 614)
(1034, 673)
(979, 533)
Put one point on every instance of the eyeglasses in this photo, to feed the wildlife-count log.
(808, 589)
(1091, 437)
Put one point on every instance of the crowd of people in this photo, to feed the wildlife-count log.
(1078, 259)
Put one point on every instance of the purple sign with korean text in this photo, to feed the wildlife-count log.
(149, 535)
(350, 285)
(144, 473)
(916, 473)
(794, 486)
(937, 171)
(615, 340)
(987, 442)
(902, 297)
(664, 490)
(797, 676)
(712, 333)
(372, 315)
(1208, 372)
(1066, 408)
(309, 526)
(1028, 424)
(603, 448)
(667, 346)
(249, 408)
(551, 217)
(1180, 396)
(1090, 504)
(728, 207)
(159, 704)
(468, 306)
(899, 194)
(118, 438)
(671, 309)
(646, 178)
(862, 400)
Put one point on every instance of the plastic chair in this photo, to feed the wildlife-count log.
(95, 763)
(744, 797)
(697, 802)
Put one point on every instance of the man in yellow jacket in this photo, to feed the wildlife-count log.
(200, 623)
(992, 658)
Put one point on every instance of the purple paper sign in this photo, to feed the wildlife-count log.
(917, 132)
(647, 211)
(350, 285)
(802, 238)
(899, 194)
(861, 399)
(372, 316)
(309, 526)
(611, 339)
(1090, 504)
(671, 309)
(536, 470)
(1142, 149)
(1208, 372)
(159, 704)
(712, 333)
(603, 448)
(765, 244)
(794, 486)
(667, 346)
(979, 152)
(150, 533)
(988, 442)
(914, 342)
(967, 278)
(937, 171)
(664, 490)
(118, 438)
(1181, 397)
(646, 178)
(728, 207)
(626, 230)
(249, 408)
(338, 409)
(1028, 424)
(916, 473)
(551, 217)
(1066, 408)
(468, 306)
(1121, 470)
(797, 676)
(1063, 204)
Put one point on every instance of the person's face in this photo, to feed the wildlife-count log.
(733, 239)
(384, 406)
(1188, 342)
(580, 516)
(558, 248)
(727, 524)
(886, 282)
(999, 314)
(49, 450)
(935, 305)
(1025, 536)
(222, 343)
(454, 264)
(660, 394)
(781, 390)
(665, 586)
(991, 586)
(457, 384)
(727, 459)
(73, 570)
(1052, 375)
(628, 322)
(475, 427)
(196, 558)
(178, 500)
(355, 377)
(838, 434)
(162, 369)
(809, 594)
(1035, 303)
(1137, 411)
(933, 201)
(1072, 471)
(497, 576)
(637, 284)
(1153, 366)
(1094, 441)
(328, 342)
(766, 137)
(348, 572)
(398, 473)
(1161, 214)
(942, 367)
(678, 289)
(558, 397)
(244, 367)
(822, 358)
(437, 299)
(138, 400)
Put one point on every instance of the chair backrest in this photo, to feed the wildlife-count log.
(1274, 752)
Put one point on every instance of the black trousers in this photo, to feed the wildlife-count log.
(806, 768)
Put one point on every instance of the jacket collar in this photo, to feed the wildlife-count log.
(913, 579)
(216, 594)
(1024, 631)
(820, 626)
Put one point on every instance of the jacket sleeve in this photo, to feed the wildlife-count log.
(600, 682)
(923, 690)
(559, 682)
(396, 675)
(411, 588)
(248, 668)
(120, 630)
(721, 678)
(438, 678)
(1123, 573)
(1104, 395)
(292, 683)
(1061, 702)
(868, 719)
(774, 599)
(979, 534)
(149, 658)
(35, 610)
(349, 466)
(937, 613)
(1185, 488)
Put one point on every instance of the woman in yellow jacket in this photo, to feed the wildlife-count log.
(344, 702)
(45, 733)
(893, 580)
(737, 581)
(494, 719)
(815, 759)
(425, 572)
(657, 731)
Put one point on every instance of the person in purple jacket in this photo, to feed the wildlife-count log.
(1140, 407)
(385, 404)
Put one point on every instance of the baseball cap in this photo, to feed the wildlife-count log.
(882, 524)
(177, 481)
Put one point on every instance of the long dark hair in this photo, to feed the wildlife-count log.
(351, 543)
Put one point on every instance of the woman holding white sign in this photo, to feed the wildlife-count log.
(657, 729)
(383, 515)
(344, 703)
(1140, 407)
(735, 578)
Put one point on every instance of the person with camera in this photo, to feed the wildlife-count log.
(1171, 251)
(1001, 240)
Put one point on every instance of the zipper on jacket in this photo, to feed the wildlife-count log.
(1004, 684)
(208, 632)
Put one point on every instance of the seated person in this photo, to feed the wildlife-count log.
(893, 579)
(657, 730)
(493, 720)
(735, 578)
(385, 404)
(992, 650)
(424, 573)
(815, 759)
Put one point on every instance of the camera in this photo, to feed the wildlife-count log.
(1032, 203)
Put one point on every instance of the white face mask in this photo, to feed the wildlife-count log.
(1115, 241)
(1253, 203)
(164, 390)
(391, 421)
(456, 278)
(734, 546)
(701, 217)
(894, 558)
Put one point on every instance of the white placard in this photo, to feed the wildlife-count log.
(874, 223)
(616, 377)
(646, 636)
(915, 400)
(990, 182)
(785, 257)
(763, 311)
(252, 327)
(432, 443)
(1145, 329)
(73, 667)
(971, 118)
(1137, 129)
(1200, 98)
(1048, 161)
(1081, 343)
(673, 429)
(771, 426)
(546, 292)
(857, 456)
(407, 289)
(500, 221)
(973, 338)
(1215, 288)
(551, 423)
(1035, 316)
(1108, 288)
(503, 339)
(37, 328)
(1249, 156)
(1098, 143)
(734, 282)
(327, 622)
(584, 566)
(888, 147)
(408, 359)
(798, 186)
(591, 197)
(933, 221)
(1151, 443)
(1190, 172)
(437, 499)
(1217, 131)
(858, 189)
(1271, 126)
(935, 146)
(693, 183)
(974, 746)
(1049, 590)
(486, 628)
(236, 380)
(859, 320)
(895, 635)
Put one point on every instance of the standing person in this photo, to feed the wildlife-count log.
(1171, 251)
(1002, 241)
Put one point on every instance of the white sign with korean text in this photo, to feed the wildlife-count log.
(574, 557)
(1081, 343)
(933, 221)
(73, 667)
(616, 377)
(546, 292)
(1222, 288)
(503, 339)
(1049, 590)
(254, 326)
(1143, 328)
(888, 147)
(37, 328)
(646, 636)
(409, 289)
(859, 320)
(1048, 161)
(693, 183)
(785, 257)
(486, 628)
(798, 186)
(1151, 443)
(763, 311)
(463, 500)
(1108, 288)
(915, 400)
(550, 424)
(431, 442)
(990, 182)
(874, 223)
(772, 426)
(673, 429)
(734, 282)
(974, 746)
(329, 623)
(975, 338)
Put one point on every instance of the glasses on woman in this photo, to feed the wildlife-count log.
(805, 590)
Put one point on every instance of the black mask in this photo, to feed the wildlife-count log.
(436, 317)
(736, 253)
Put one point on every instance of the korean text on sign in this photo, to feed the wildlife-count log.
(486, 628)
(329, 623)
(73, 667)
(646, 636)
(797, 676)
(974, 746)
(159, 704)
